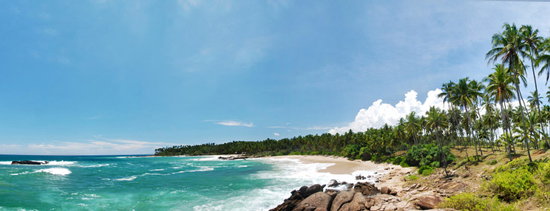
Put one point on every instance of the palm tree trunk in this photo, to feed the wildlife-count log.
(470, 128)
(537, 103)
(505, 126)
(523, 120)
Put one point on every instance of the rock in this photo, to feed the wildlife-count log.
(357, 203)
(333, 183)
(28, 162)
(366, 188)
(302, 190)
(313, 189)
(360, 177)
(393, 193)
(341, 198)
(385, 190)
(332, 193)
(428, 202)
(316, 201)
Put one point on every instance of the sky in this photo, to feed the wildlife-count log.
(105, 77)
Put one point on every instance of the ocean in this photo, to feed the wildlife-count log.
(153, 183)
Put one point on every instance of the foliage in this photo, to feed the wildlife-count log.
(425, 170)
(471, 202)
(512, 185)
(427, 154)
(492, 162)
(412, 177)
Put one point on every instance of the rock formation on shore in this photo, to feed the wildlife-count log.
(354, 197)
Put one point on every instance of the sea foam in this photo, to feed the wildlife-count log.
(55, 171)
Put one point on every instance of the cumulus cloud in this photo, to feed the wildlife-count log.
(276, 134)
(380, 113)
(91, 147)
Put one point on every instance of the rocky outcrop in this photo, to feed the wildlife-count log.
(28, 162)
(366, 188)
(428, 201)
(342, 197)
(360, 196)
(317, 201)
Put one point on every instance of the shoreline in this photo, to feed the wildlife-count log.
(387, 175)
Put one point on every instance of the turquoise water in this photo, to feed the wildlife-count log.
(151, 183)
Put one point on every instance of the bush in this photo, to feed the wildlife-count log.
(426, 169)
(512, 185)
(404, 164)
(398, 160)
(427, 154)
(471, 202)
(412, 177)
(428, 172)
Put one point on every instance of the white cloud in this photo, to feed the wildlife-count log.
(189, 4)
(234, 123)
(276, 134)
(92, 147)
(380, 113)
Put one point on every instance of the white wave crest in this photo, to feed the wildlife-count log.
(55, 171)
(127, 178)
(60, 163)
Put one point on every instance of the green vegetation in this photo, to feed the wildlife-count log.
(478, 115)
(471, 202)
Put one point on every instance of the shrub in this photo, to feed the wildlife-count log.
(512, 185)
(404, 164)
(427, 172)
(426, 154)
(412, 177)
(471, 202)
(398, 160)
(426, 169)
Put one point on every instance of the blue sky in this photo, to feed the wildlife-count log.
(125, 77)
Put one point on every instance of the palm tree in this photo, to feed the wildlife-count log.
(500, 88)
(487, 100)
(412, 126)
(509, 47)
(437, 121)
(464, 95)
(533, 42)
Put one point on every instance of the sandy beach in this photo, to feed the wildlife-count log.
(389, 175)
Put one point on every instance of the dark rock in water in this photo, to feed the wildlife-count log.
(333, 183)
(28, 162)
(313, 189)
(360, 177)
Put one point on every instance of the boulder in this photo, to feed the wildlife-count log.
(366, 188)
(385, 190)
(28, 162)
(428, 202)
(313, 189)
(316, 201)
(356, 204)
(342, 198)
(333, 183)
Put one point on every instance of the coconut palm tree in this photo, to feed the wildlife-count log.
(437, 121)
(464, 95)
(509, 47)
(501, 89)
(533, 43)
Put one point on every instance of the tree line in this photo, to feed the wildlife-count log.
(479, 113)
